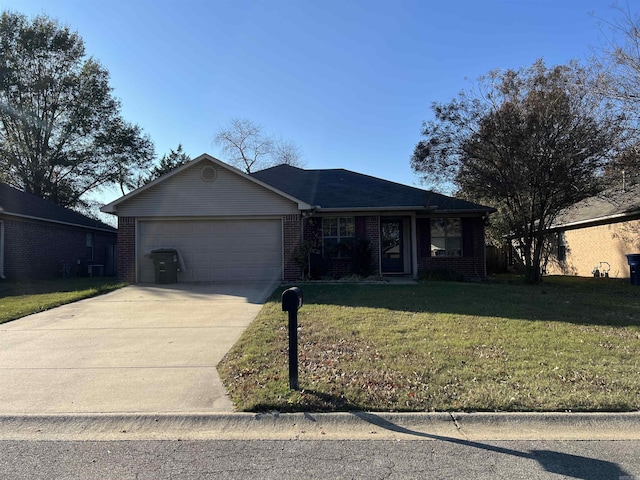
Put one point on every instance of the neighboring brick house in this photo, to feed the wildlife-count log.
(41, 240)
(227, 225)
(595, 235)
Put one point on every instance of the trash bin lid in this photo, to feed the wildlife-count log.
(164, 250)
(633, 259)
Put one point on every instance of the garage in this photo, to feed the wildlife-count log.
(214, 249)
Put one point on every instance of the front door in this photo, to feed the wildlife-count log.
(392, 245)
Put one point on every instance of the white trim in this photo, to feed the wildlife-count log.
(113, 206)
(282, 248)
(135, 252)
(606, 219)
(190, 218)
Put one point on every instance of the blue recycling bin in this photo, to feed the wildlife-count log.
(633, 259)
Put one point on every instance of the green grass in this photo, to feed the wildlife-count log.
(18, 299)
(567, 344)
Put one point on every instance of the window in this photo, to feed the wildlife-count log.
(446, 237)
(89, 245)
(562, 247)
(338, 235)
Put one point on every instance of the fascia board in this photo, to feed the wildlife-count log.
(618, 217)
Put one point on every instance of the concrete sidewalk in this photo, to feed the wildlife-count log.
(464, 428)
(142, 349)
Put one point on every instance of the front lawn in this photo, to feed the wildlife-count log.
(568, 344)
(18, 299)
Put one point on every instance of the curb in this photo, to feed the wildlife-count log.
(453, 427)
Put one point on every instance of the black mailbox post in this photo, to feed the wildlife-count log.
(291, 302)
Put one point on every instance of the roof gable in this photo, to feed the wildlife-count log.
(162, 183)
(344, 189)
(21, 204)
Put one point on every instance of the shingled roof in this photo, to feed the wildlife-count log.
(344, 189)
(613, 205)
(21, 204)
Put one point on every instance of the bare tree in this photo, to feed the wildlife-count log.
(248, 148)
(531, 143)
(287, 152)
(618, 61)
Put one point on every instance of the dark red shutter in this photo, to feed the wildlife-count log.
(423, 227)
(361, 227)
(468, 224)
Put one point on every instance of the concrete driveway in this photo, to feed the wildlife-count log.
(144, 348)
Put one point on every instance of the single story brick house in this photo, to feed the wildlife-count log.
(228, 225)
(42, 240)
(597, 234)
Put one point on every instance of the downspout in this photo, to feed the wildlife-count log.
(2, 250)
(379, 247)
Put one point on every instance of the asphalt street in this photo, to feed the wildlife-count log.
(319, 459)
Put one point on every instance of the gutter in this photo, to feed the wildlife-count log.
(375, 209)
(417, 209)
(48, 220)
(595, 221)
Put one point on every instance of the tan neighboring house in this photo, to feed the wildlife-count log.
(593, 237)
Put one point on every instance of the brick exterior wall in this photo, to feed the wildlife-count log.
(39, 250)
(339, 267)
(587, 247)
(291, 245)
(127, 249)
(472, 264)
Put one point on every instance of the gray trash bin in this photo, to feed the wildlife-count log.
(165, 261)
(633, 259)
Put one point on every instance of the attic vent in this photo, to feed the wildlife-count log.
(208, 173)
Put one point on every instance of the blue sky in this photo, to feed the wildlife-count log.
(350, 82)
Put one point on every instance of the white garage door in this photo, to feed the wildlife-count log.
(215, 250)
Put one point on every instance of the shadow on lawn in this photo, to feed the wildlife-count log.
(315, 401)
(607, 303)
